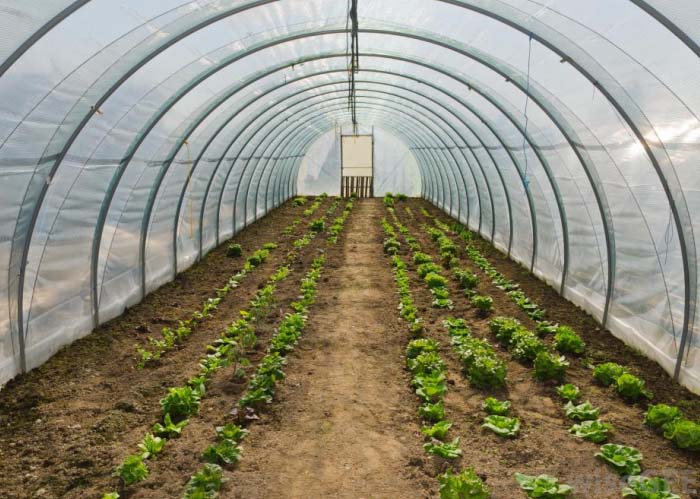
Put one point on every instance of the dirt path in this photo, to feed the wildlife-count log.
(344, 424)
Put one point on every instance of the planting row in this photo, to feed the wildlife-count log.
(228, 351)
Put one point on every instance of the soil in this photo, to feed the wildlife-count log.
(545, 444)
(344, 422)
(67, 425)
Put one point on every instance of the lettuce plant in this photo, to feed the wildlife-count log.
(581, 412)
(167, 428)
(419, 258)
(487, 373)
(648, 488)
(625, 460)
(421, 345)
(684, 433)
(132, 470)
(483, 304)
(206, 483)
(151, 445)
(432, 412)
(425, 363)
(592, 430)
(223, 452)
(496, 407)
(503, 426)
(658, 416)
(631, 387)
(525, 345)
(110, 495)
(607, 373)
(545, 328)
(567, 341)
(543, 486)
(427, 268)
(465, 485)
(467, 280)
(181, 402)
(504, 328)
(446, 450)
(549, 366)
(391, 246)
(234, 250)
(435, 280)
(569, 392)
(437, 431)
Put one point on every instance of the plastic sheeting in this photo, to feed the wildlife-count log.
(136, 136)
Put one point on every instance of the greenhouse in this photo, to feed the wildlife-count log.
(349, 249)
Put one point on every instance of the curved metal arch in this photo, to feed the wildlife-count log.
(662, 163)
(688, 267)
(135, 145)
(311, 136)
(280, 144)
(440, 139)
(443, 107)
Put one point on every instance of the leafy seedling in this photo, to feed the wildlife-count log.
(483, 304)
(437, 431)
(567, 341)
(550, 367)
(658, 416)
(465, 485)
(569, 392)
(234, 250)
(151, 446)
(496, 407)
(631, 387)
(648, 488)
(432, 412)
(581, 412)
(446, 450)
(543, 486)
(503, 426)
(132, 470)
(181, 402)
(224, 452)
(592, 430)
(168, 429)
(684, 433)
(607, 373)
(206, 483)
(625, 460)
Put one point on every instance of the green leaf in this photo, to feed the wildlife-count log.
(569, 392)
(592, 430)
(150, 446)
(581, 412)
(206, 483)
(181, 402)
(625, 460)
(607, 373)
(543, 486)
(496, 407)
(567, 341)
(648, 488)
(111, 495)
(231, 431)
(657, 416)
(438, 430)
(168, 429)
(465, 485)
(432, 412)
(549, 366)
(631, 387)
(224, 452)
(447, 450)
(503, 426)
(684, 433)
(132, 470)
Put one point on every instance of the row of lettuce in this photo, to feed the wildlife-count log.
(229, 351)
(485, 371)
